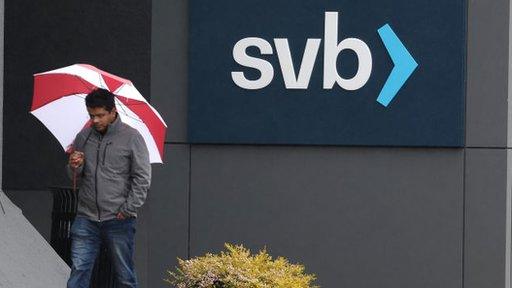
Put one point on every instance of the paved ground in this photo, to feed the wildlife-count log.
(26, 260)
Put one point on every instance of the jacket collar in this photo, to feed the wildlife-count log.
(112, 127)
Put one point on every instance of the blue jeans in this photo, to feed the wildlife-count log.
(117, 235)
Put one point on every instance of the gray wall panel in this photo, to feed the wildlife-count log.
(357, 217)
(169, 71)
(142, 246)
(487, 70)
(509, 106)
(168, 204)
(486, 181)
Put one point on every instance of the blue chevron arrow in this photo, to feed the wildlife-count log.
(404, 65)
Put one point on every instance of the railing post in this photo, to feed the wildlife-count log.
(65, 202)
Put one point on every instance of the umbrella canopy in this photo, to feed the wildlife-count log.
(59, 103)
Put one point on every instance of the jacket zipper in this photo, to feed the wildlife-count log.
(96, 177)
(105, 152)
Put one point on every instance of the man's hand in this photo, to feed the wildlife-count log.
(76, 159)
(120, 216)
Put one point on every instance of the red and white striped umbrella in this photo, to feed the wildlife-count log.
(59, 103)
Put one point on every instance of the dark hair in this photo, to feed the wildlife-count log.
(100, 98)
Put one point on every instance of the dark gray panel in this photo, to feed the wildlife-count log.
(1, 87)
(487, 64)
(47, 34)
(169, 71)
(486, 181)
(356, 217)
(168, 212)
(36, 207)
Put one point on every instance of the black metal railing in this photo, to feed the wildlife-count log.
(65, 202)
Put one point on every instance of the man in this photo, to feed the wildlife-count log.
(111, 163)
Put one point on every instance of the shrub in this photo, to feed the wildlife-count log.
(237, 268)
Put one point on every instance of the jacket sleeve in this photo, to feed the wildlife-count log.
(140, 176)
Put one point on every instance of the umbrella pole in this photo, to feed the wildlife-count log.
(74, 179)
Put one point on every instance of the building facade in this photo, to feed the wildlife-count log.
(428, 207)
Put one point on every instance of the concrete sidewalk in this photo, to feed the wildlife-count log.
(26, 258)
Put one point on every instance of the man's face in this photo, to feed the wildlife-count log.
(100, 118)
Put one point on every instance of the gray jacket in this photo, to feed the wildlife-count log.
(116, 174)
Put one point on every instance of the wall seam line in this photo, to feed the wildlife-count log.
(189, 199)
